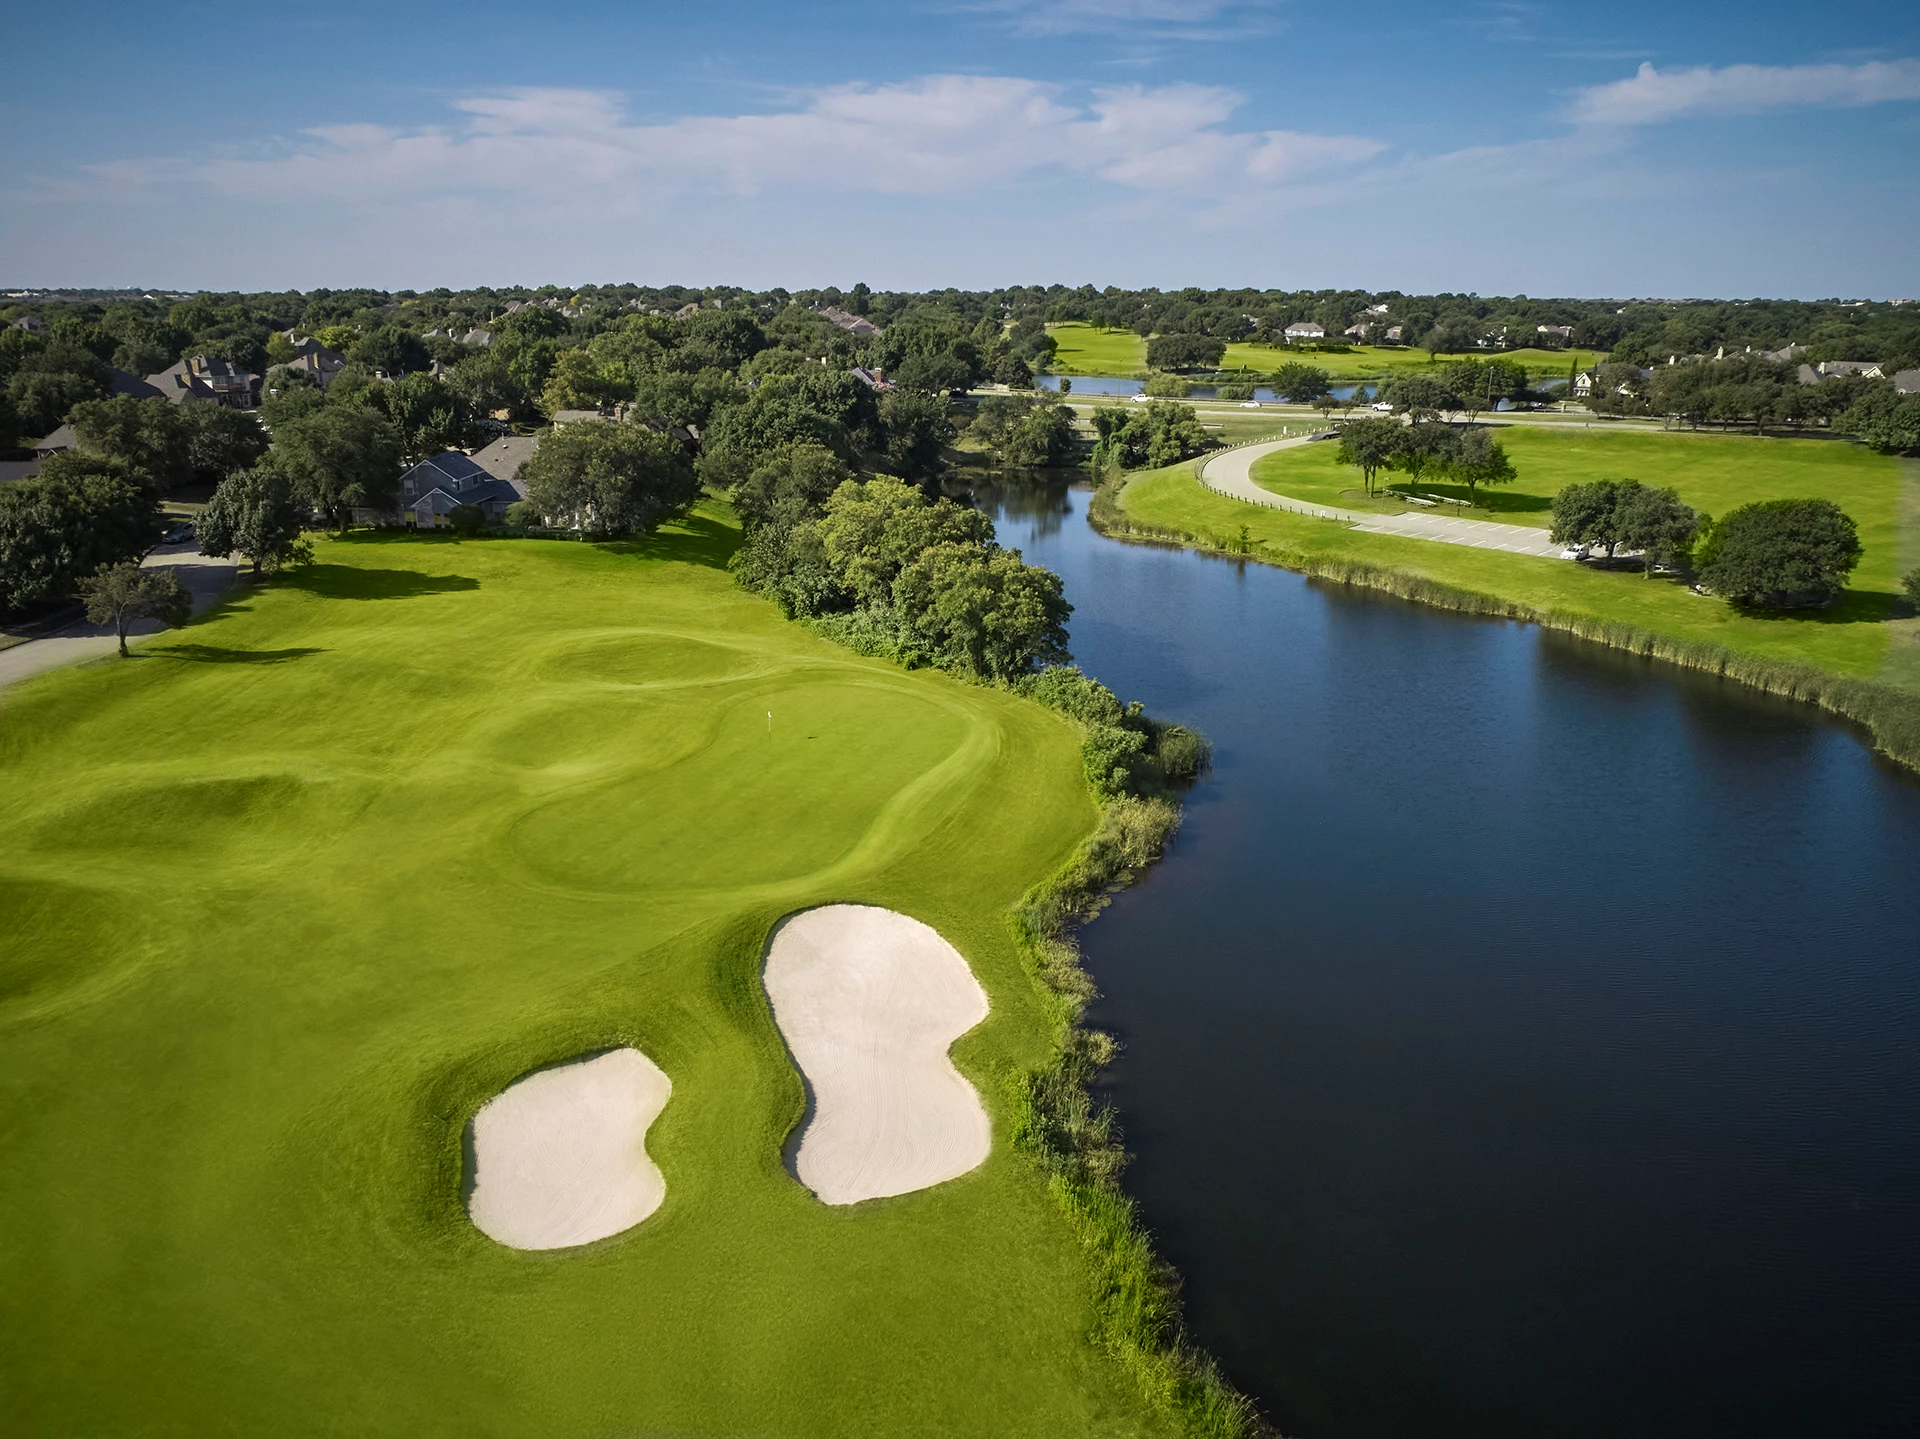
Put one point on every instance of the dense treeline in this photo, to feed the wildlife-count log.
(950, 336)
(1753, 390)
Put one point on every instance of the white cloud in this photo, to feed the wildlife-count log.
(1655, 95)
(941, 135)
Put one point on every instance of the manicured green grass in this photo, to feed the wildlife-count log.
(1850, 639)
(293, 891)
(1713, 473)
(1373, 361)
(1084, 350)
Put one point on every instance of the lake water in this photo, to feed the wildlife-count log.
(1522, 1038)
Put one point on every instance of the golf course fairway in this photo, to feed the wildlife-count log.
(293, 891)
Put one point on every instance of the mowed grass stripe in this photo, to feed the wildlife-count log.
(280, 917)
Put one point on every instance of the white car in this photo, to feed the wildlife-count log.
(1141, 399)
(1381, 405)
(1249, 404)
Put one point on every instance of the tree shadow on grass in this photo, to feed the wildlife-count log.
(1854, 607)
(217, 655)
(348, 582)
(695, 539)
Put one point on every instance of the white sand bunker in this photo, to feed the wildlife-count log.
(868, 1001)
(560, 1156)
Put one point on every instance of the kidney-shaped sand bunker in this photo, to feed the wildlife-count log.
(560, 1155)
(868, 1001)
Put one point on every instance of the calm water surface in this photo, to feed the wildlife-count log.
(1521, 1039)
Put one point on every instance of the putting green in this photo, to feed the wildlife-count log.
(291, 893)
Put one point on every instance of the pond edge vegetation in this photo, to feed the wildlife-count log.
(840, 567)
(1890, 717)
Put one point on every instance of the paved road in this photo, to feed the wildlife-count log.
(206, 579)
(1230, 472)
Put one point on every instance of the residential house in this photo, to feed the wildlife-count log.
(1786, 356)
(482, 338)
(1394, 332)
(1558, 332)
(30, 322)
(119, 382)
(872, 379)
(1357, 332)
(687, 311)
(316, 361)
(207, 378)
(433, 489)
(858, 325)
(1305, 330)
(1831, 369)
(1906, 382)
(1863, 369)
(503, 458)
(574, 417)
(61, 439)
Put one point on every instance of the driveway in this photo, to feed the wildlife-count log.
(206, 579)
(1230, 472)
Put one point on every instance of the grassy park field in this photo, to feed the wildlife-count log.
(1868, 635)
(1713, 473)
(298, 887)
(1085, 350)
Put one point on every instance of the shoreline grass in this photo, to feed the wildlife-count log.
(1836, 660)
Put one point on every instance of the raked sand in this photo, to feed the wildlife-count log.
(560, 1155)
(869, 1001)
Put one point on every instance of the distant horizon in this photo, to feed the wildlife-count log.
(53, 293)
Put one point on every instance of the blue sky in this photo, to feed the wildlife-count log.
(1621, 148)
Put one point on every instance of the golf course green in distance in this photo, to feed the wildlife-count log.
(294, 890)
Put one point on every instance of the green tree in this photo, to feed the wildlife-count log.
(871, 532)
(1185, 352)
(1302, 384)
(1589, 514)
(1475, 458)
(120, 594)
(390, 350)
(982, 611)
(428, 414)
(794, 480)
(79, 514)
(1887, 421)
(340, 458)
(610, 480)
(254, 513)
(917, 430)
(150, 437)
(580, 382)
(221, 440)
(1421, 396)
(1371, 445)
(1656, 523)
(1780, 554)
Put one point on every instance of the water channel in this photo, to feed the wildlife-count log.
(1522, 1038)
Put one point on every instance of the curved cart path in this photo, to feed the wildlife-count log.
(1230, 472)
(206, 580)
